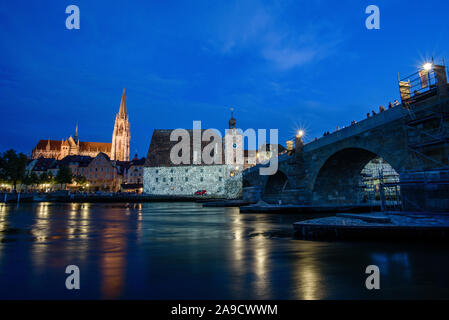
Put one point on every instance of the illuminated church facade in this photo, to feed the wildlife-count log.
(117, 150)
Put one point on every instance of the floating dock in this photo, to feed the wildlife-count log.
(376, 226)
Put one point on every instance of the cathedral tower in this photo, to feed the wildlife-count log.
(121, 134)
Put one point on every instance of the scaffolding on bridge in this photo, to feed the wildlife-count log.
(427, 130)
(427, 139)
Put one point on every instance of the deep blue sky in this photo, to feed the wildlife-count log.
(280, 64)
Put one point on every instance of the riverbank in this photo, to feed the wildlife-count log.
(63, 197)
(376, 226)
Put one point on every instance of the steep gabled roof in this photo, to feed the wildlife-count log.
(95, 146)
(82, 161)
(54, 144)
(43, 164)
(160, 148)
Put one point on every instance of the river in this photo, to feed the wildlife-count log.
(184, 251)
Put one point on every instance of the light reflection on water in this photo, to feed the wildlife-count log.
(184, 251)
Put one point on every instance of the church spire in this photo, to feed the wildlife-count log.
(122, 112)
(76, 133)
(121, 134)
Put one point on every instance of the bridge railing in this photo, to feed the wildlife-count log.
(379, 119)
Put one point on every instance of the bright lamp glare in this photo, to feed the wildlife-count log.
(300, 133)
(427, 66)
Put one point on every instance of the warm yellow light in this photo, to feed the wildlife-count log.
(428, 66)
(300, 133)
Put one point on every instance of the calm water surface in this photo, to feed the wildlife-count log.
(184, 251)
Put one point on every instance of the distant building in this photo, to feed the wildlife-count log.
(103, 174)
(59, 149)
(255, 157)
(77, 164)
(41, 166)
(164, 178)
(245, 159)
(134, 173)
(117, 150)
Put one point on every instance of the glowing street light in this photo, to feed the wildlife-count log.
(427, 66)
(300, 133)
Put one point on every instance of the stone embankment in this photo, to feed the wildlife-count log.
(376, 226)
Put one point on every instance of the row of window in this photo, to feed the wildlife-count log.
(186, 170)
(135, 175)
(96, 169)
(185, 179)
(182, 189)
(95, 176)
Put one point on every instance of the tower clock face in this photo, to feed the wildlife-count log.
(234, 145)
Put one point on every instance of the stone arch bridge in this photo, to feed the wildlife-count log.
(413, 140)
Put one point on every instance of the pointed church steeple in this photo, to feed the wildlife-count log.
(76, 133)
(123, 112)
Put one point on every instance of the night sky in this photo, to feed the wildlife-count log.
(280, 64)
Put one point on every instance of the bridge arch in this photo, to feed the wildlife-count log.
(276, 184)
(339, 180)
